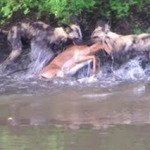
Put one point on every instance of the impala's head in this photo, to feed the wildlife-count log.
(51, 72)
(104, 44)
(100, 31)
(48, 73)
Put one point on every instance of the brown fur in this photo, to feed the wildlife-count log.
(39, 31)
(71, 57)
(120, 42)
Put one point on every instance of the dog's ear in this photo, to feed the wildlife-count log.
(106, 28)
(74, 20)
(68, 29)
(100, 23)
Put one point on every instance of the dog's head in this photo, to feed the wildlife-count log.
(74, 31)
(101, 30)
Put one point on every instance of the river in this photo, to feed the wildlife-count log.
(110, 112)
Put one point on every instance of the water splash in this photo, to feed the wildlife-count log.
(40, 55)
(27, 80)
(132, 70)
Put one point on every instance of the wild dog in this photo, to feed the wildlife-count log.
(39, 31)
(122, 44)
(72, 57)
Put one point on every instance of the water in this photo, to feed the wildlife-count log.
(110, 112)
(77, 117)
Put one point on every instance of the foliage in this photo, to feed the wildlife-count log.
(138, 30)
(122, 8)
(63, 9)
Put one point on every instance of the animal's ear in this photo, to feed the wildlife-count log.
(106, 28)
(100, 23)
(68, 29)
(74, 20)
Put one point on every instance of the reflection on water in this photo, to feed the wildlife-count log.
(111, 112)
(77, 117)
(72, 106)
(126, 137)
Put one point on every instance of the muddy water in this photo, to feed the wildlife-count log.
(110, 112)
(86, 114)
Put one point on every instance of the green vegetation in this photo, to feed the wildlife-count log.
(121, 8)
(138, 30)
(63, 9)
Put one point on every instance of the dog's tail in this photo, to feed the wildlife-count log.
(2, 31)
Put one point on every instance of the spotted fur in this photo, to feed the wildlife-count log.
(43, 33)
(120, 42)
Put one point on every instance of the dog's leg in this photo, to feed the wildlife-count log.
(14, 38)
(12, 56)
(112, 63)
(97, 64)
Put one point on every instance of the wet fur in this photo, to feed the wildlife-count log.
(48, 38)
(124, 47)
(120, 42)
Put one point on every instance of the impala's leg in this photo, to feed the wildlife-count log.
(85, 58)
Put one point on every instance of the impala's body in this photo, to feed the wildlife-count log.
(72, 57)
